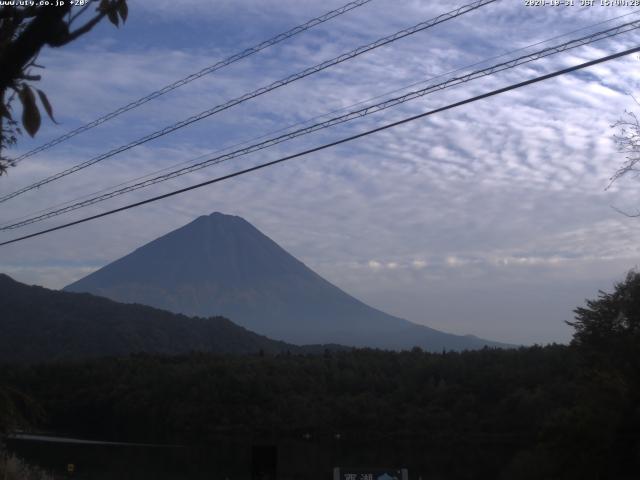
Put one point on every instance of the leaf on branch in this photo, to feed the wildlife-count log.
(47, 106)
(113, 17)
(123, 10)
(111, 9)
(30, 112)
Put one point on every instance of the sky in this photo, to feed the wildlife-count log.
(492, 219)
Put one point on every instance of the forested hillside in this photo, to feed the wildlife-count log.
(554, 412)
(539, 410)
(38, 324)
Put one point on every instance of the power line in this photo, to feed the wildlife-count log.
(194, 76)
(9, 223)
(277, 84)
(341, 119)
(586, 40)
(332, 144)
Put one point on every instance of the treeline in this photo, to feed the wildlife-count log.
(554, 412)
(542, 406)
(390, 393)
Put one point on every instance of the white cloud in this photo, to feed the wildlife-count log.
(374, 265)
(508, 190)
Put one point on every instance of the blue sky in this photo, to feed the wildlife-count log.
(490, 219)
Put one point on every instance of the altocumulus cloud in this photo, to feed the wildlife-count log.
(490, 219)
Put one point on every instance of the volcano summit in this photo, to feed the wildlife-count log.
(222, 265)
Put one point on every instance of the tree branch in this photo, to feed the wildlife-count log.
(81, 11)
(626, 214)
(44, 29)
(27, 12)
(84, 29)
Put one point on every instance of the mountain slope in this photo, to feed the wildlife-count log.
(38, 324)
(222, 265)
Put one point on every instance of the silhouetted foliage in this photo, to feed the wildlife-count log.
(628, 142)
(603, 427)
(554, 412)
(545, 416)
(17, 410)
(14, 468)
(487, 392)
(609, 327)
(38, 324)
(24, 30)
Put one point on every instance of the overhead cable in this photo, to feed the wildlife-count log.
(362, 112)
(194, 76)
(231, 103)
(332, 144)
(312, 119)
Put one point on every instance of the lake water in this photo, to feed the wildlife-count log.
(296, 459)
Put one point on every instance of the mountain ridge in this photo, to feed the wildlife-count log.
(39, 324)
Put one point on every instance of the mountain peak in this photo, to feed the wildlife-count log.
(223, 215)
(214, 224)
(219, 216)
(216, 249)
(222, 265)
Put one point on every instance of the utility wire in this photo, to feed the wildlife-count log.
(332, 144)
(194, 76)
(277, 84)
(627, 27)
(308, 121)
